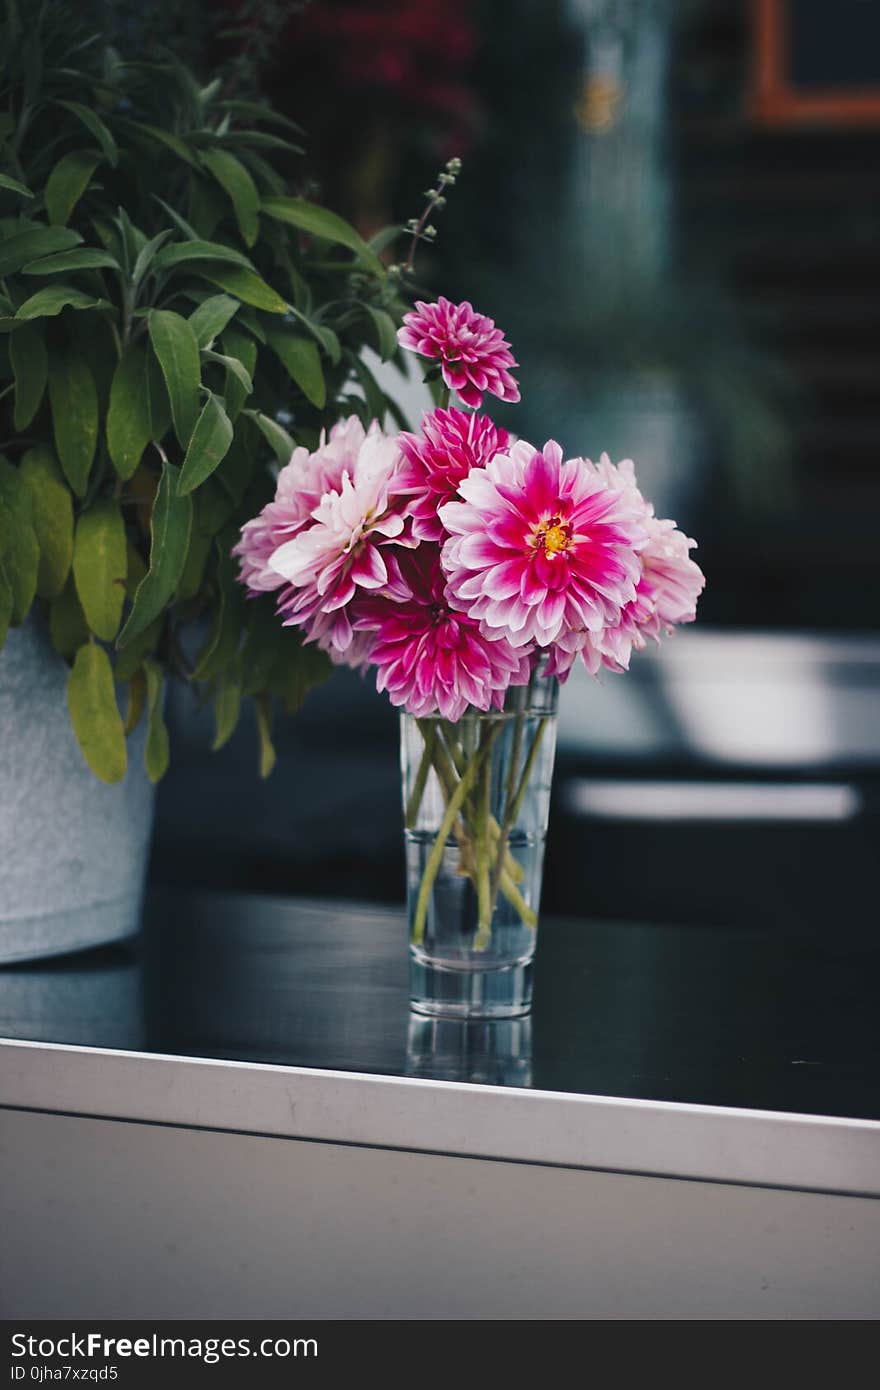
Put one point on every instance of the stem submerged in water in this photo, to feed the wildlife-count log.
(454, 804)
(460, 755)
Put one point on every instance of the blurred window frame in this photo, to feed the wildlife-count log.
(775, 100)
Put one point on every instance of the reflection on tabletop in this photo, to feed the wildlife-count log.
(492, 1052)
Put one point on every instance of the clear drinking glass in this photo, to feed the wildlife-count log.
(476, 798)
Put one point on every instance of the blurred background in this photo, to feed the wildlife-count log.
(673, 211)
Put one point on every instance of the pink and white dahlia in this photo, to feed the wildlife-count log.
(301, 484)
(669, 585)
(341, 553)
(429, 657)
(473, 354)
(450, 444)
(666, 595)
(539, 547)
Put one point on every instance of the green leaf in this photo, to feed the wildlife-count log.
(162, 137)
(67, 183)
(233, 366)
(373, 393)
(133, 239)
(183, 251)
(259, 111)
(180, 223)
(243, 349)
(211, 317)
(208, 92)
(210, 442)
(176, 346)
(320, 222)
(67, 624)
(261, 649)
(159, 404)
(222, 645)
(129, 427)
(237, 469)
(325, 336)
(262, 140)
(206, 205)
(74, 400)
(237, 183)
(81, 258)
(263, 711)
(6, 602)
(245, 285)
(227, 707)
(385, 237)
(130, 661)
(96, 128)
(248, 318)
(19, 549)
(94, 713)
(214, 507)
(329, 342)
(301, 361)
(156, 752)
(49, 302)
(299, 668)
(196, 559)
(13, 186)
(148, 253)
(171, 522)
(136, 571)
(386, 332)
(274, 434)
(38, 241)
(30, 366)
(137, 699)
(100, 565)
(52, 513)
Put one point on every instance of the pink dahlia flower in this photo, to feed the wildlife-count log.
(473, 354)
(451, 443)
(325, 564)
(666, 593)
(540, 548)
(301, 484)
(430, 658)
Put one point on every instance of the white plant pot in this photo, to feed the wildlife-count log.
(73, 852)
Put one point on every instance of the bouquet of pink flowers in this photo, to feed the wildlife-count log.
(461, 564)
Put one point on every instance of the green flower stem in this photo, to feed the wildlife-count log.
(509, 819)
(436, 856)
(511, 816)
(447, 761)
(453, 762)
(527, 770)
(527, 915)
(484, 898)
(468, 740)
(413, 805)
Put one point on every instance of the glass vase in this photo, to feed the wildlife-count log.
(476, 797)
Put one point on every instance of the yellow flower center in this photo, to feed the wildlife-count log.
(551, 536)
(556, 538)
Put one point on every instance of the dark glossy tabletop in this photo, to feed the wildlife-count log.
(704, 1015)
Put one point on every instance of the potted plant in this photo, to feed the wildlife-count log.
(174, 317)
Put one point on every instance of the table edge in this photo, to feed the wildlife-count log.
(766, 1148)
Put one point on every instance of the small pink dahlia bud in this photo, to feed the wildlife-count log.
(473, 354)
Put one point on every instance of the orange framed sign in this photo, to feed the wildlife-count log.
(816, 62)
